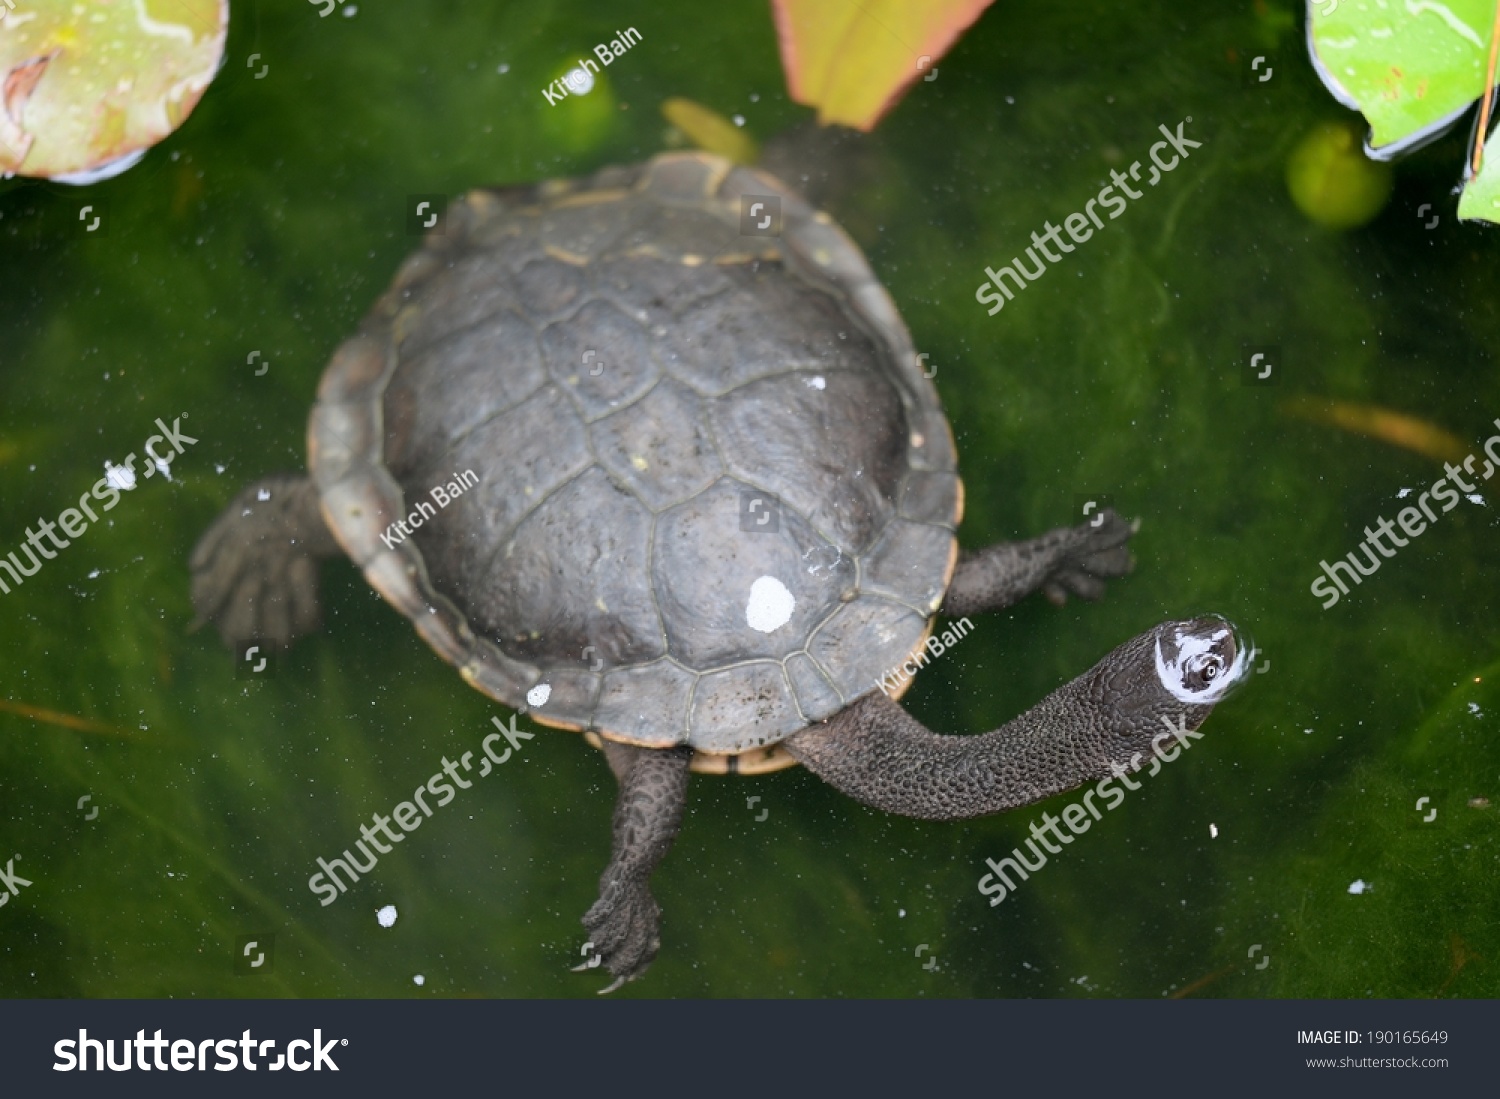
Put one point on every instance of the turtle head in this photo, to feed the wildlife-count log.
(1159, 687)
(1200, 660)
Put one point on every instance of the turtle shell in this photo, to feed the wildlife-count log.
(649, 454)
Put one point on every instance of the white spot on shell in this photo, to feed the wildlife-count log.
(386, 917)
(770, 605)
(816, 382)
(538, 695)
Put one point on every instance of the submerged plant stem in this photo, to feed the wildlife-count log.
(67, 721)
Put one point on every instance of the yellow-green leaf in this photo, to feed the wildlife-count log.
(85, 85)
(853, 59)
(707, 129)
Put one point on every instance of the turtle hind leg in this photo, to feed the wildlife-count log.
(624, 923)
(255, 570)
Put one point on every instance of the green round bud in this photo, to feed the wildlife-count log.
(581, 109)
(1332, 181)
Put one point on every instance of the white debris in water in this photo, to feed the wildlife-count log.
(503, 69)
(816, 382)
(1403, 494)
(1359, 885)
(579, 81)
(119, 476)
(1475, 498)
(538, 695)
(263, 494)
(770, 605)
(738, 120)
(419, 980)
(386, 917)
(1213, 831)
(1475, 710)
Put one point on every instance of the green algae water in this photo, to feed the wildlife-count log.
(1335, 832)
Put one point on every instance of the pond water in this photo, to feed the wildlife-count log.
(1334, 833)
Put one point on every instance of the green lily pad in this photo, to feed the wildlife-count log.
(86, 87)
(1411, 69)
(1481, 197)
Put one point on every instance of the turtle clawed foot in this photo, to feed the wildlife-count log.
(254, 571)
(1096, 551)
(624, 931)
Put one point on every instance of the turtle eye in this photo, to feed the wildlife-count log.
(1202, 670)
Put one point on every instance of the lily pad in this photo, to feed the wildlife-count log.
(1411, 69)
(853, 61)
(1481, 197)
(88, 87)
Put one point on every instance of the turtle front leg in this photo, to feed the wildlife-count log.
(1067, 560)
(624, 923)
(255, 570)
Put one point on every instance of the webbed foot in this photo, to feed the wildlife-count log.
(1091, 553)
(624, 927)
(255, 573)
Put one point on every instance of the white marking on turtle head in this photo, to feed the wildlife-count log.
(1197, 657)
(770, 605)
(539, 694)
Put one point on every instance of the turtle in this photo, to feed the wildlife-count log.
(650, 455)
